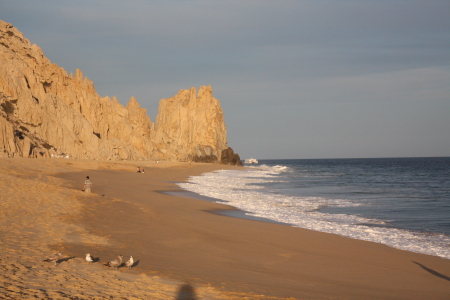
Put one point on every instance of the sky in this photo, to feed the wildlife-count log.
(295, 79)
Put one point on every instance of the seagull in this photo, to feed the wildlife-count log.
(115, 262)
(54, 257)
(89, 258)
(130, 263)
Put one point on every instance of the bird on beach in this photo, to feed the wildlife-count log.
(54, 258)
(89, 258)
(130, 263)
(116, 263)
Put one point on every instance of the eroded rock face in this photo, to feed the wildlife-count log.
(44, 112)
(191, 127)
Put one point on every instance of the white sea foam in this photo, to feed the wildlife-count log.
(245, 191)
(273, 169)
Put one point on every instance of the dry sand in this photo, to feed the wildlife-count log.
(182, 250)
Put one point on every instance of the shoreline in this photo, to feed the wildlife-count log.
(232, 213)
(177, 239)
(344, 212)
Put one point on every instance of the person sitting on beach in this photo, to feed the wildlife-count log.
(138, 170)
(87, 185)
(142, 170)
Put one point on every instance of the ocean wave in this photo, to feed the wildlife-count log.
(273, 169)
(246, 190)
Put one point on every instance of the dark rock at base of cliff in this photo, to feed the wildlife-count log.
(228, 157)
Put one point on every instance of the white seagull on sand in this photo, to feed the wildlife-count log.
(54, 258)
(130, 263)
(89, 258)
(116, 263)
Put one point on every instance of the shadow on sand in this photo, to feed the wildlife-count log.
(186, 292)
(431, 271)
(132, 266)
(136, 263)
(64, 259)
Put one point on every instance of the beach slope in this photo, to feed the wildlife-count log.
(180, 245)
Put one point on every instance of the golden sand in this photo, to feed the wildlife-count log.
(181, 249)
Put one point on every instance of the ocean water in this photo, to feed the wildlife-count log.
(401, 202)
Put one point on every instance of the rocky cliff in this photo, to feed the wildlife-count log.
(44, 112)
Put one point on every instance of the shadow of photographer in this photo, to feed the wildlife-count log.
(186, 292)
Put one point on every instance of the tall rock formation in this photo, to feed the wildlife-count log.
(44, 112)
(187, 122)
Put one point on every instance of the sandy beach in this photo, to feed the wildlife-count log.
(181, 247)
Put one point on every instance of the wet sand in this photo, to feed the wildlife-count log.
(178, 243)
